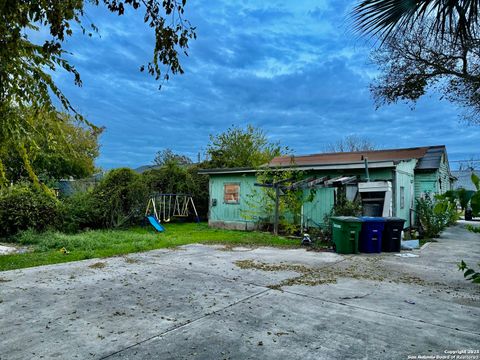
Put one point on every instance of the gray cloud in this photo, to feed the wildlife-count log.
(294, 69)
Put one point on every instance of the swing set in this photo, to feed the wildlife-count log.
(164, 207)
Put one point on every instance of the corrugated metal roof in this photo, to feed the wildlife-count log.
(464, 179)
(432, 158)
(428, 156)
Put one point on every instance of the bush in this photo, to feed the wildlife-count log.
(22, 207)
(343, 207)
(474, 229)
(119, 200)
(435, 215)
(79, 212)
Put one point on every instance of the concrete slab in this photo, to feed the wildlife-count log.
(195, 302)
(5, 250)
(277, 325)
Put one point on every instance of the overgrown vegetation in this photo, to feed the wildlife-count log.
(45, 247)
(237, 147)
(469, 273)
(25, 207)
(342, 207)
(261, 200)
(474, 229)
(436, 214)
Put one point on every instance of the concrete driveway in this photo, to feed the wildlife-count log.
(204, 302)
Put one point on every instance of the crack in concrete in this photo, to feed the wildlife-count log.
(379, 312)
(186, 323)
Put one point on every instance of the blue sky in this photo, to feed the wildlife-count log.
(295, 69)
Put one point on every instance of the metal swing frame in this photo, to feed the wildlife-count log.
(179, 209)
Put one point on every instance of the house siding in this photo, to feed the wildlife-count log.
(322, 203)
(404, 178)
(230, 215)
(443, 174)
(408, 184)
(239, 216)
(434, 181)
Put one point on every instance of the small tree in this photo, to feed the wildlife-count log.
(261, 200)
(237, 147)
(166, 156)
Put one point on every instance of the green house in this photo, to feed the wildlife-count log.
(396, 177)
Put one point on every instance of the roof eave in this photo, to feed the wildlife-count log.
(340, 166)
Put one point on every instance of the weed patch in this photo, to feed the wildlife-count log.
(359, 268)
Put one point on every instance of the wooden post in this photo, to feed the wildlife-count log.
(277, 206)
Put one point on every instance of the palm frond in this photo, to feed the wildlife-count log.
(382, 18)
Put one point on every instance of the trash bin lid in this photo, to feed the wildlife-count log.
(371, 219)
(394, 219)
(346, 218)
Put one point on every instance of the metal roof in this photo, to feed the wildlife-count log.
(432, 158)
(464, 179)
(428, 156)
(341, 166)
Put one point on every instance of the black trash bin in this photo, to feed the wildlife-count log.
(392, 234)
(468, 214)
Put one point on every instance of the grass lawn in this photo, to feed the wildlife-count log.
(105, 243)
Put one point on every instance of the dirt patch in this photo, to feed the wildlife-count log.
(97, 265)
(361, 268)
(129, 260)
(233, 247)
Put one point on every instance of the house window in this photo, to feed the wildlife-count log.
(231, 193)
(402, 197)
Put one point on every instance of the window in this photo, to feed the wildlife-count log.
(402, 197)
(231, 193)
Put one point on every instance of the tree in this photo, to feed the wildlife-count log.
(26, 67)
(55, 146)
(351, 143)
(168, 156)
(25, 74)
(385, 18)
(242, 148)
(411, 63)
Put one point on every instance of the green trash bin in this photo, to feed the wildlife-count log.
(345, 232)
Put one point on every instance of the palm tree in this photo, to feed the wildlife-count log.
(384, 18)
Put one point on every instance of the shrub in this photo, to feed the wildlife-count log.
(435, 215)
(446, 211)
(343, 207)
(23, 207)
(119, 199)
(79, 212)
(474, 229)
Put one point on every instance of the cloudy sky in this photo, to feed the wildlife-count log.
(293, 68)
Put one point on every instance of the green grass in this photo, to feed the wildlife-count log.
(105, 243)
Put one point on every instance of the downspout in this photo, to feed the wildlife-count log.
(367, 175)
